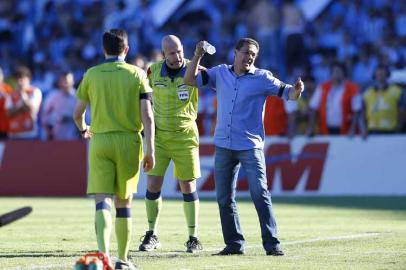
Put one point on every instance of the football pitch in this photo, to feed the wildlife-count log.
(316, 233)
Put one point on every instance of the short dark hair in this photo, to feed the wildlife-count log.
(340, 65)
(115, 41)
(242, 41)
(22, 71)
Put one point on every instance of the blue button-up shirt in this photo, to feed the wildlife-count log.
(240, 104)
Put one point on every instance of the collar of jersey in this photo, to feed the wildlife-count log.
(114, 59)
(181, 73)
(250, 71)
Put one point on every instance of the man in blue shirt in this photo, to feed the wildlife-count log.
(239, 137)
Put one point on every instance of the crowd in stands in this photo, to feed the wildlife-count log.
(345, 57)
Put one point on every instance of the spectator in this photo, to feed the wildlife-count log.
(5, 90)
(293, 27)
(333, 35)
(139, 61)
(22, 106)
(384, 104)
(400, 21)
(303, 111)
(51, 35)
(363, 69)
(373, 27)
(206, 116)
(334, 103)
(279, 117)
(346, 48)
(321, 68)
(58, 109)
(263, 20)
(155, 56)
(279, 114)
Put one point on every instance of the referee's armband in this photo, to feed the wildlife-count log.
(205, 77)
(146, 96)
(281, 89)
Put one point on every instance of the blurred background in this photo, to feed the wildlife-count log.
(297, 38)
(351, 56)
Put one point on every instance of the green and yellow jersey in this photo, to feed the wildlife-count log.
(113, 90)
(174, 103)
(382, 108)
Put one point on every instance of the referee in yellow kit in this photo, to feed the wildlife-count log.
(119, 97)
(177, 139)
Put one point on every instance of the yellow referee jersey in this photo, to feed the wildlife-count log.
(113, 91)
(174, 103)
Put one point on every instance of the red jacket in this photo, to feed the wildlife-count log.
(350, 90)
(5, 90)
(275, 118)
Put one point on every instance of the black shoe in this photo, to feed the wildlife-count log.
(228, 251)
(150, 242)
(275, 251)
(193, 245)
(121, 265)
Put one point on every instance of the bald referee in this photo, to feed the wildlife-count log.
(177, 139)
(119, 97)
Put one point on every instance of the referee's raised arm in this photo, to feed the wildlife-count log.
(192, 68)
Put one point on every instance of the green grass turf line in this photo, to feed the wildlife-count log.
(316, 233)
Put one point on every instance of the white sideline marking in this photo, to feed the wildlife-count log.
(160, 254)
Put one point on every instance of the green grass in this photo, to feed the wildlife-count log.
(316, 233)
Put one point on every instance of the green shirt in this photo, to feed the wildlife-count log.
(174, 102)
(113, 90)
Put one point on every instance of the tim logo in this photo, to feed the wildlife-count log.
(304, 169)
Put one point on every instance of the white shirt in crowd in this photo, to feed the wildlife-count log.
(334, 104)
(58, 111)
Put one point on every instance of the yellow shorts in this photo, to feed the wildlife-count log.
(180, 146)
(114, 163)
